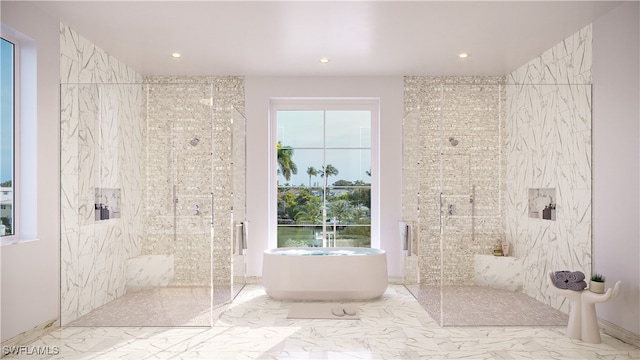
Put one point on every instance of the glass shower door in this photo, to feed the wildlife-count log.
(136, 204)
(491, 158)
(421, 199)
(408, 229)
(179, 195)
(238, 179)
(472, 167)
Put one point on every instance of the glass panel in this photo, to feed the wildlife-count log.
(301, 128)
(349, 166)
(137, 181)
(408, 229)
(471, 166)
(352, 236)
(6, 138)
(309, 212)
(421, 206)
(302, 165)
(238, 181)
(299, 205)
(350, 129)
(299, 235)
(349, 205)
(468, 168)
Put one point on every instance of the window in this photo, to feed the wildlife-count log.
(7, 136)
(326, 167)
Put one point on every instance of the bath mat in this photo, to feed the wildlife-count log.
(315, 310)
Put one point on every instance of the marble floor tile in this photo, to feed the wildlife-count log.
(393, 327)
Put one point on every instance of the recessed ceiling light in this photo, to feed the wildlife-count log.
(324, 61)
(176, 55)
(463, 55)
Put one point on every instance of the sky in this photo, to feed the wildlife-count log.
(347, 135)
(6, 111)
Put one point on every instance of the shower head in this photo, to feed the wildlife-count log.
(194, 141)
(453, 141)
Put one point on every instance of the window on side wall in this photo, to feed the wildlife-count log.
(324, 160)
(8, 51)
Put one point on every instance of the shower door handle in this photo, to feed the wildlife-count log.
(245, 236)
(409, 240)
(237, 237)
(241, 231)
(405, 231)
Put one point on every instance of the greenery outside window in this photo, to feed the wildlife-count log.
(326, 166)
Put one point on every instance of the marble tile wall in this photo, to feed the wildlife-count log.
(548, 140)
(499, 272)
(125, 132)
(178, 109)
(102, 147)
(469, 109)
(148, 271)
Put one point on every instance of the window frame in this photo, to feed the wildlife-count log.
(324, 104)
(16, 140)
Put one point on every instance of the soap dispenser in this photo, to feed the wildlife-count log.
(104, 212)
(546, 213)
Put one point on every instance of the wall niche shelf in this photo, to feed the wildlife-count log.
(107, 204)
(542, 203)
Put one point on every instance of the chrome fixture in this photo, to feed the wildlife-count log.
(196, 209)
(453, 141)
(194, 141)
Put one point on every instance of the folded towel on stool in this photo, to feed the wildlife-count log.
(575, 276)
(577, 286)
(561, 275)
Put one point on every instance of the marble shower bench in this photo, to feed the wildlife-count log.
(146, 271)
(499, 272)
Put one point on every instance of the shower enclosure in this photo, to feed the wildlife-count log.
(146, 197)
(239, 208)
(473, 148)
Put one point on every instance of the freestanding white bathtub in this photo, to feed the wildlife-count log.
(324, 273)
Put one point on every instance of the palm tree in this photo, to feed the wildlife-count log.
(309, 212)
(339, 209)
(359, 216)
(286, 166)
(311, 171)
(327, 171)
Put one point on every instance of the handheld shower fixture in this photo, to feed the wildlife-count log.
(453, 141)
(194, 141)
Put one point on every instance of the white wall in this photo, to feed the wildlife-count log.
(616, 158)
(30, 271)
(258, 91)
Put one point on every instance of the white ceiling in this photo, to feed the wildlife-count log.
(362, 38)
